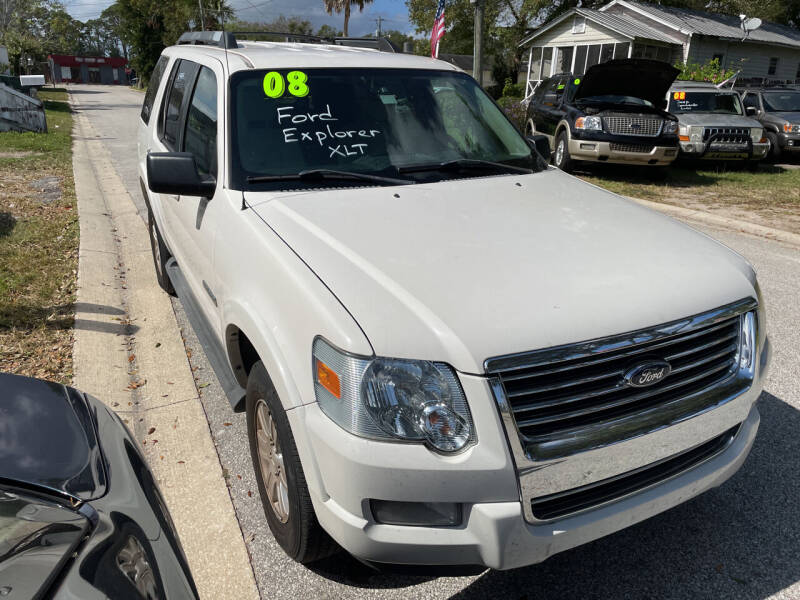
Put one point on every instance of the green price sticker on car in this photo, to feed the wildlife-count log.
(275, 86)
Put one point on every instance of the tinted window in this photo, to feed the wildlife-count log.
(181, 79)
(750, 100)
(152, 88)
(201, 123)
(788, 101)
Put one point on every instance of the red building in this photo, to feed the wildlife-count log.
(88, 69)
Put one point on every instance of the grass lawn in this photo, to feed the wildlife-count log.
(769, 197)
(38, 246)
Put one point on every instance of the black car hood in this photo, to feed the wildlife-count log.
(637, 77)
(48, 438)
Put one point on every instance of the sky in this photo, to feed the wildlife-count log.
(394, 13)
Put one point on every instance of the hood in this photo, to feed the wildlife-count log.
(638, 77)
(47, 438)
(461, 271)
(792, 117)
(716, 120)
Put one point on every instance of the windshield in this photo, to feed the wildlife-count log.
(367, 121)
(725, 103)
(782, 101)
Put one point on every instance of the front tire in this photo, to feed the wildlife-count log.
(160, 255)
(774, 149)
(281, 482)
(561, 157)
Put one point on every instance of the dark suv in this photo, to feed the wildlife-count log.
(614, 113)
(778, 110)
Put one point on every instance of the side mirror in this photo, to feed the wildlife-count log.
(750, 111)
(541, 144)
(176, 173)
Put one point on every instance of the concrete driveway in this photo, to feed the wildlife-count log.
(738, 541)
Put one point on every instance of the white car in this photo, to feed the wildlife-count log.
(449, 353)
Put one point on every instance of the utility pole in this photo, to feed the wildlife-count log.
(202, 16)
(379, 21)
(477, 52)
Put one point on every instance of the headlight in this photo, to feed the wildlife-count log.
(756, 133)
(670, 127)
(392, 399)
(791, 127)
(593, 123)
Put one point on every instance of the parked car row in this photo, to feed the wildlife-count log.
(632, 111)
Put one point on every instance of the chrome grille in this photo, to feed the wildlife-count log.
(578, 386)
(727, 135)
(641, 148)
(638, 125)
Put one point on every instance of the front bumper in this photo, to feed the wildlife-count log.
(598, 151)
(696, 150)
(789, 142)
(345, 472)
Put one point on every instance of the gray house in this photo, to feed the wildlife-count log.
(583, 37)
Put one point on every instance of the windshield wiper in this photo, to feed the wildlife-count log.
(322, 174)
(462, 164)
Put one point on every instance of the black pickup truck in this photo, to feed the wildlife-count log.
(614, 113)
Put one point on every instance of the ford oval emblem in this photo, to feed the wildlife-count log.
(647, 373)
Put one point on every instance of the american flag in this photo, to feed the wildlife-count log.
(438, 30)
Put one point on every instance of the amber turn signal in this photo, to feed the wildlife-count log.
(683, 138)
(328, 379)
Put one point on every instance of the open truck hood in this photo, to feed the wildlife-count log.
(638, 77)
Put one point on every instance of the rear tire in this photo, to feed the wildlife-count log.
(561, 157)
(160, 255)
(281, 482)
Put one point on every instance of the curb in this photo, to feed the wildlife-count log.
(779, 235)
(129, 353)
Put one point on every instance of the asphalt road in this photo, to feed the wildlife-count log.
(741, 540)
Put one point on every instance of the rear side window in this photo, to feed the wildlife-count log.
(179, 86)
(152, 88)
(201, 123)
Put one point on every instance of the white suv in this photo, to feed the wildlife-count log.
(449, 354)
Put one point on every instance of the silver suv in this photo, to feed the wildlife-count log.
(713, 124)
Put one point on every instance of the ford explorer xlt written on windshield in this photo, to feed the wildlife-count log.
(449, 353)
(379, 122)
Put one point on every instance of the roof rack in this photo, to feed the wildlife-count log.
(227, 39)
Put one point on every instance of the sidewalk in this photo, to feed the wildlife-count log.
(129, 353)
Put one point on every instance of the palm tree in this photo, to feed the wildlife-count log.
(344, 5)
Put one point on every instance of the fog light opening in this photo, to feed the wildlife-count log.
(416, 514)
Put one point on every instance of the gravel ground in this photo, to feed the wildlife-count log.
(741, 540)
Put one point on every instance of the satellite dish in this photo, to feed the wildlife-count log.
(751, 23)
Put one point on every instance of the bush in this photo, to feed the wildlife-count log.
(512, 89)
(515, 110)
(711, 71)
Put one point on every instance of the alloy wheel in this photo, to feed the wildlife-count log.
(560, 153)
(270, 461)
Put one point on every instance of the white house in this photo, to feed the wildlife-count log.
(583, 37)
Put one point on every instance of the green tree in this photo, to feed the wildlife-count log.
(326, 31)
(338, 6)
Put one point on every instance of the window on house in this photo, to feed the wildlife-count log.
(580, 60)
(579, 25)
(773, 66)
(536, 63)
(621, 50)
(606, 52)
(547, 62)
(593, 56)
(564, 59)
